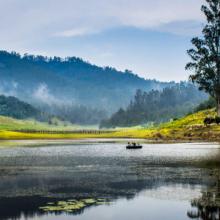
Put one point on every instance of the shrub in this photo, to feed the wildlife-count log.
(217, 120)
(208, 104)
(209, 120)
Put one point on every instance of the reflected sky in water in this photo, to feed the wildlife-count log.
(156, 182)
(143, 206)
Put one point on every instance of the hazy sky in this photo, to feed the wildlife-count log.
(149, 37)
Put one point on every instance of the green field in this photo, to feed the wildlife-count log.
(11, 124)
(190, 127)
(187, 128)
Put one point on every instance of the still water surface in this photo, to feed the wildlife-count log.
(160, 181)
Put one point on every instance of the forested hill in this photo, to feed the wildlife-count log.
(55, 81)
(13, 107)
(157, 106)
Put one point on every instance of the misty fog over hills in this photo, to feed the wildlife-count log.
(54, 81)
(70, 87)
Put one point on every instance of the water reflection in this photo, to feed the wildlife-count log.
(207, 207)
(33, 177)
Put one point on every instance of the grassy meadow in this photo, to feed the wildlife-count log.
(7, 123)
(187, 128)
(190, 127)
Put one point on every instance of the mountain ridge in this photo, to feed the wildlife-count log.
(70, 87)
(70, 80)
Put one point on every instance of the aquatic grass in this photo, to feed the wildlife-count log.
(71, 205)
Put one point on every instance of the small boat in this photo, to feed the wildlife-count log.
(133, 146)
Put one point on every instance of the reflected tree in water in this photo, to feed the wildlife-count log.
(207, 207)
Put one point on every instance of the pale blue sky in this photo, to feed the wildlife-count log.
(149, 37)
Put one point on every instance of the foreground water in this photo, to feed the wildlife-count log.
(104, 181)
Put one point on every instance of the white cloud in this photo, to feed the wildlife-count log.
(48, 26)
(75, 32)
(149, 13)
(30, 20)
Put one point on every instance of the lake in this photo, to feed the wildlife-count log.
(91, 179)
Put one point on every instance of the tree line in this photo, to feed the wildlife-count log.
(13, 107)
(156, 106)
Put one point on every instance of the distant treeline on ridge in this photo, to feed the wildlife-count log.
(156, 106)
(77, 91)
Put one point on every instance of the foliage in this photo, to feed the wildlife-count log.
(212, 120)
(156, 106)
(78, 114)
(187, 128)
(72, 205)
(52, 82)
(7, 123)
(206, 52)
(207, 104)
(13, 107)
(69, 88)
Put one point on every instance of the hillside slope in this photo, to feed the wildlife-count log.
(13, 107)
(30, 125)
(54, 81)
(189, 128)
(157, 106)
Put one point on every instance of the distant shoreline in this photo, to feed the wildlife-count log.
(62, 142)
(187, 129)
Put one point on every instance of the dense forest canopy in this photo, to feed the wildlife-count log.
(210, 103)
(76, 114)
(82, 93)
(40, 80)
(156, 106)
(13, 107)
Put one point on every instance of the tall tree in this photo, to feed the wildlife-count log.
(206, 53)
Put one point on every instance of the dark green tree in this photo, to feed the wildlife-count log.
(206, 53)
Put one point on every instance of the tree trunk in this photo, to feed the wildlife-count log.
(218, 106)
